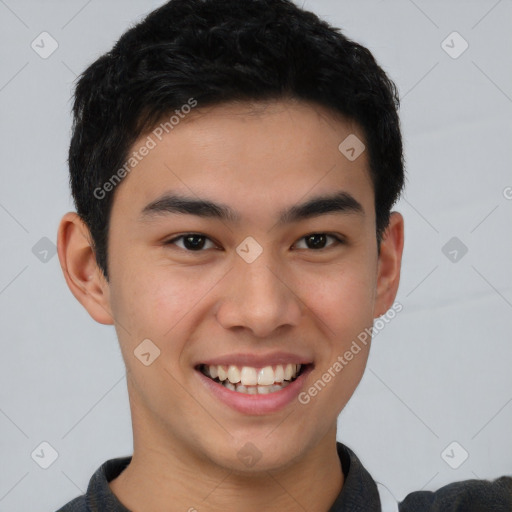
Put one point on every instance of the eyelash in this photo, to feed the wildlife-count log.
(339, 241)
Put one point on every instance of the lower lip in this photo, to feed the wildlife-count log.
(257, 404)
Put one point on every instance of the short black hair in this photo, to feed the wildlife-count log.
(220, 51)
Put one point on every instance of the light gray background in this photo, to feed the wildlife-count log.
(439, 372)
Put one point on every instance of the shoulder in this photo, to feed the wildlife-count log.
(99, 496)
(464, 496)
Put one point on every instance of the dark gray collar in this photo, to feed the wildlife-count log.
(359, 492)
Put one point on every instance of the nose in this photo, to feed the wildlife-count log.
(259, 297)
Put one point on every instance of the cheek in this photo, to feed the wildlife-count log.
(153, 307)
(342, 297)
(160, 303)
(144, 304)
(344, 305)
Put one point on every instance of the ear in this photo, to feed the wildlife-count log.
(389, 264)
(78, 262)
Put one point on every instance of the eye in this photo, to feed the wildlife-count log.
(317, 241)
(196, 242)
(193, 242)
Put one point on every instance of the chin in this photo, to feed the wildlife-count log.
(250, 454)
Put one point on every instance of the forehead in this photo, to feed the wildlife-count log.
(257, 157)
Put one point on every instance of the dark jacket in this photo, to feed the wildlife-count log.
(360, 493)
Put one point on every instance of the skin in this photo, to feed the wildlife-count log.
(258, 159)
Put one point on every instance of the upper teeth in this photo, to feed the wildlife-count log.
(250, 376)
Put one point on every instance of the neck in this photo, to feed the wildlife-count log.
(156, 482)
(167, 475)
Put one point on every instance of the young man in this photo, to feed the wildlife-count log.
(234, 165)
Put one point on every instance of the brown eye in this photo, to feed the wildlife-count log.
(193, 242)
(318, 241)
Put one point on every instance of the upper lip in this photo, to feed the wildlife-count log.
(257, 360)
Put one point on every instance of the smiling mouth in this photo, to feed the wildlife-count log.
(253, 381)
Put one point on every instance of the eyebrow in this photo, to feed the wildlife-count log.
(339, 203)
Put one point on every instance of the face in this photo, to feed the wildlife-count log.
(267, 287)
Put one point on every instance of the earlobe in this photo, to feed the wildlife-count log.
(389, 264)
(78, 263)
